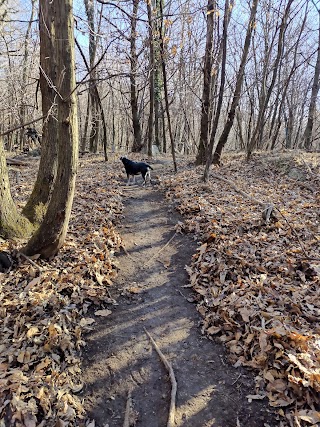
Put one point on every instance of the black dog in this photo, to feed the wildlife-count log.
(134, 168)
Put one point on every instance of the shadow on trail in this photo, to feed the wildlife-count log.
(119, 356)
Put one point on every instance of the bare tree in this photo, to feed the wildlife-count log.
(314, 92)
(239, 80)
(206, 91)
(165, 87)
(39, 198)
(137, 143)
(51, 234)
(151, 79)
(227, 12)
(265, 94)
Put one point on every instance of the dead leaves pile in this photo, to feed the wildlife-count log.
(257, 284)
(44, 309)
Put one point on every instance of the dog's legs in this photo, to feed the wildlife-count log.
(145, 176)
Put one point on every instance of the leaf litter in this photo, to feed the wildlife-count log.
(256, 284)
(45, 311)
(257, 291)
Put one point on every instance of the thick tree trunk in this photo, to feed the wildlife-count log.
(12, 224)
(39, 198)
(51, 234)
(239, 80)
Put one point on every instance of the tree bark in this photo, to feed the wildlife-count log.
(12, 224)
(265, 98)
(151, 80)
(165, 87)
(51, 234)
(23, 108)
(314, 94)
(94, 103)
(239, 80)
(39, 198)
(137, 142)
(209, 159)
(206, 91)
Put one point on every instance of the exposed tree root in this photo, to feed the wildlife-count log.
(160, 250)
(173, 380)
(126, 422)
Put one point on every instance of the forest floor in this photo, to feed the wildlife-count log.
(221, 288)
(119, 356)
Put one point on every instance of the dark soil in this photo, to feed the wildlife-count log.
(119, 356)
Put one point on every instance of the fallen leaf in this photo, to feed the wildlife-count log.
(103, 313)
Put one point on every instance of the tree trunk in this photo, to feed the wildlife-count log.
(258, 132)
(151, 80)
(51, 234)
(165, 87)
(206, 91)
(85, 127)
(99, 102)
(94, 103)
(221, 91)
(22, 112)
(164, 135)
(239, 80)
(39, 198)
(12, 224)
(137, 142)
(314, 94)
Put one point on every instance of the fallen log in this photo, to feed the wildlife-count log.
(16, 162)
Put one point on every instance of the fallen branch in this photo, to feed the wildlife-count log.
(245, 195)
(295, 233)
(173, 380)
(22, 126)
(160, 250)
(126, 422)
(30, 260)
(268, 208)
(15, 162)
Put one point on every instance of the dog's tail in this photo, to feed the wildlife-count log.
(150, 167)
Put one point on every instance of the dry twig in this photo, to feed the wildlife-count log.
(30, 260)
(160, 250)
(173, 380)
(126, 422)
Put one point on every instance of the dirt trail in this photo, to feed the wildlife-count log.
(119, 355)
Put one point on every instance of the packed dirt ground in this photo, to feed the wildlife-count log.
(239, 325)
